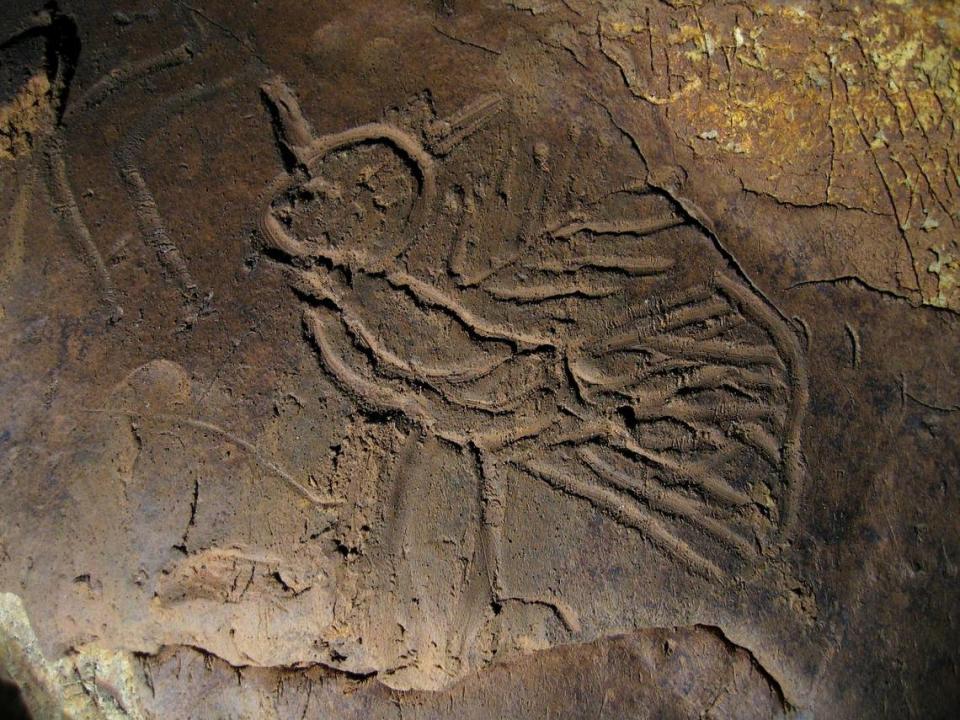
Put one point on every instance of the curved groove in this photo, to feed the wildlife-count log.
(232, 438)
(712, 350)
(663, 305)
(693, 474)
(619, 227)
(128, 72)
(719, 413)
(432, 297)
(411, 369)
(463, 124)
(376, 396)
(72, 217)
(613, 505)
(666, 502)
(789, 346)
(672, 320)
(151, 224)
(541, 293)
(758, 438)
(629, 265)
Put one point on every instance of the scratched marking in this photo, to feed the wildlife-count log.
(586, 351)
(51, 147)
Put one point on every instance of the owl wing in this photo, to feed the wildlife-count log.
(690, 392)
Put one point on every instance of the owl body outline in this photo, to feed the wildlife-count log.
(519, 432)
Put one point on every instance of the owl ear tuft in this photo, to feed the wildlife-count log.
(294, 133)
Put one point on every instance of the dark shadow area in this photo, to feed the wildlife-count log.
(11, 704)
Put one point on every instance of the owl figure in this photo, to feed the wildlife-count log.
(458, 280)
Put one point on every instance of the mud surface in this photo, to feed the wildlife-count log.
(479, 359)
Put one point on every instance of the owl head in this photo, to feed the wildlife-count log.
(355, 197)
